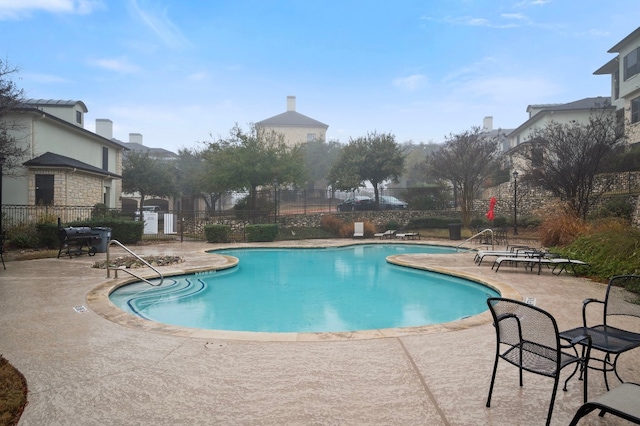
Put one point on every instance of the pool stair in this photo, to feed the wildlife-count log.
(155, 281)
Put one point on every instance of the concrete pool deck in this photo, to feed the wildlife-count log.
(92, 369)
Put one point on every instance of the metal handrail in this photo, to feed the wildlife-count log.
(477, 235)
(109, 269)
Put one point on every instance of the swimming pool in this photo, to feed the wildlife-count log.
(309, 290)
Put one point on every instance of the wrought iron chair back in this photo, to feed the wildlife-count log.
(528, 338)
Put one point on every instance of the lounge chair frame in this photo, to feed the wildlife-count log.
(621, 401)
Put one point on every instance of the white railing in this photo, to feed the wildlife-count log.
(116, 269)
(490, 231)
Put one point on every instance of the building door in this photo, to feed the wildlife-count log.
(44, 190)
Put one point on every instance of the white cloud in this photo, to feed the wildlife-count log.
(20, 9)
(518, 16)
(120, 65)
(158, 22)
(411, 83)
(198, 76)
(44, 78)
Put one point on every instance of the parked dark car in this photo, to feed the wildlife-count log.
(359, 202)
(391, 203)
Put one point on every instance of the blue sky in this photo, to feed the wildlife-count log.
(179, 71)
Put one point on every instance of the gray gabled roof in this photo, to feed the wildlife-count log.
(49, 159)
(291, 119)
(586, 103)
(153, 152)
(622, 43)
(580, 105)
(54, 102)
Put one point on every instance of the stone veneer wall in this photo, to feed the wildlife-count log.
(532, 201)
(70, 188)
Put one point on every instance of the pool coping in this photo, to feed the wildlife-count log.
(98, 300)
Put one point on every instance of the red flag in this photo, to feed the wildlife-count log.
(492, 204)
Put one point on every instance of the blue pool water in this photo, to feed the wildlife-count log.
(309, 290)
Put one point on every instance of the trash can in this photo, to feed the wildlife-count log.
(103, 236)
(455, 231)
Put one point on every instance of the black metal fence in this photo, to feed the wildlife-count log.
(270, 206)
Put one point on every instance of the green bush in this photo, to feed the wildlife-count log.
(302, 233)
(217, 233)
(392, 224)
(261, 232)
(48, 235)
(478, 222)
(431, 223)
(611, 251)
(23, 236)
(125, 231)
(618, 206)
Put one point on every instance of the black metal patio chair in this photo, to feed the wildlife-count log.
(619, 331)
(528, 338)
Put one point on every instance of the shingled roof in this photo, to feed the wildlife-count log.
(291, 119)
(49, 159)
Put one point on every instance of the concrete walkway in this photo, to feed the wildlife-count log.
(101, 368)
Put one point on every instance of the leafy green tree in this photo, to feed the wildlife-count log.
(374, 158)
(11, 99)
(465, 160)
(148, 176)
(192, 178)
(247, 160)
(319, 156)
(565, 158)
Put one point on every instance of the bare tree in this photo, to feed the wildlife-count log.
(465, 160)
(566, 158)
(11, 100)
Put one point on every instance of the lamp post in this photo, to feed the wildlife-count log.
(515, 202)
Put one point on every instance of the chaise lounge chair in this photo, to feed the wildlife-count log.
(515, 250)
(536, 258)
(358, 230)
(409, 236)
(621, 402)
(388, 234)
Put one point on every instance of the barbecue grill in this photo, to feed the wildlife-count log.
(77, 241)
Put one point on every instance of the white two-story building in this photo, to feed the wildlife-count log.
(64, 164)
(624, 70)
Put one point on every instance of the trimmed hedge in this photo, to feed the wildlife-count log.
(431, 222)
(217, 233)
(261, 233)
(125, 231)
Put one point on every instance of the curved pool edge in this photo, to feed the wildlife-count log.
(98, 300)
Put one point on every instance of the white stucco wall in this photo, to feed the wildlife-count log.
(40, 135)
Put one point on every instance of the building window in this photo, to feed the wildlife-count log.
(105, 158)
(635, 110)
(311, 137)
(44, 190)
(631, 64)
(537, 156)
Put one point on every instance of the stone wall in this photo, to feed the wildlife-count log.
(70, 188)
